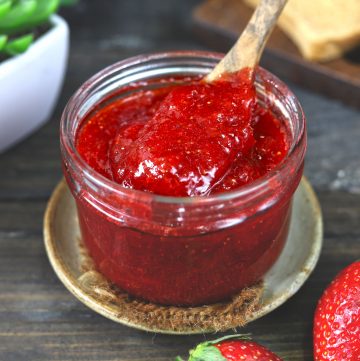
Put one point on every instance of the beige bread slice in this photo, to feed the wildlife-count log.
(322, 29)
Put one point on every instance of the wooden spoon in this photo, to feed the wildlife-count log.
(248, 48)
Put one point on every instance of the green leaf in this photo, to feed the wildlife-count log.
(17, 15)
(5, 7)
(206, 352)
(3, 40)
(19, 45)
(44, 9)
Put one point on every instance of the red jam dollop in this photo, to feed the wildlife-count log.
(191, 140)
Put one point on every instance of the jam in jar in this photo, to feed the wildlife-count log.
(183, 188)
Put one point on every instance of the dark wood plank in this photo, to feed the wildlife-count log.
(39, 319)
(219, 23)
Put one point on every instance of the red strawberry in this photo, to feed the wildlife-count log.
(231, 348)
(337, 318)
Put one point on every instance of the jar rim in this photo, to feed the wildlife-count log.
(92, 175)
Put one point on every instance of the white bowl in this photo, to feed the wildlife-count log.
(30, 84)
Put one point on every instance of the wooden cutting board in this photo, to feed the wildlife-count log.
(219, 22)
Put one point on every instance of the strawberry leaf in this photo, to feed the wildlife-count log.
(206, 352)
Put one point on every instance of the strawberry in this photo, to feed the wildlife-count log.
(231, 348)
(337, 318)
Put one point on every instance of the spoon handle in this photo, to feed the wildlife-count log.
(247, 50)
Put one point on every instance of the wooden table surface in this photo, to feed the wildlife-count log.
(39, 318)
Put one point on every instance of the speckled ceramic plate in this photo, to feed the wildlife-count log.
(298, 259)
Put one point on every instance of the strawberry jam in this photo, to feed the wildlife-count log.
(183, 189)
(191, 140)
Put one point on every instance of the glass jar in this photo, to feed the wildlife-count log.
(181, 251)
